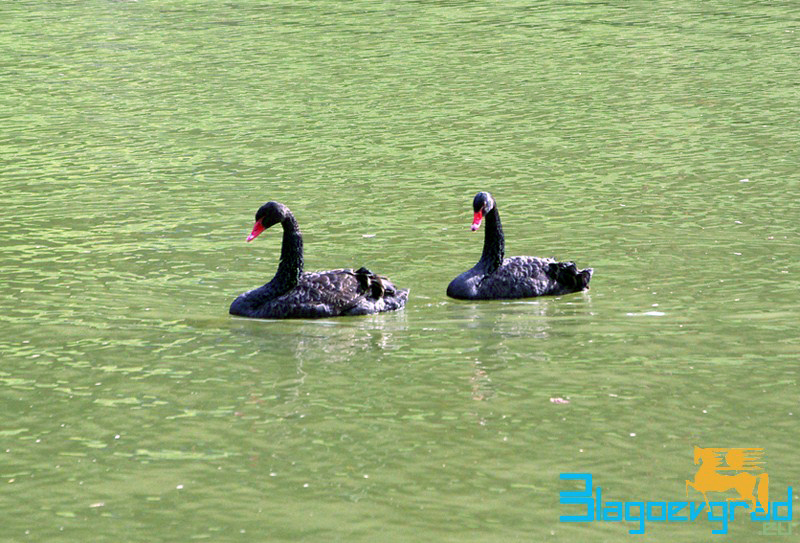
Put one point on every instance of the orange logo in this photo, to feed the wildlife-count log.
(731, 469)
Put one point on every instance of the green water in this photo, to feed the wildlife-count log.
(656, 142)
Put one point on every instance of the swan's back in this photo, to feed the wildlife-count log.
(520, 277)
(329, 293)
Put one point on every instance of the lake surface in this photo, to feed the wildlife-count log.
(656, 142)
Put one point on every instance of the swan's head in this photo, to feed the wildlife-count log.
(481, 205)
(267, 215)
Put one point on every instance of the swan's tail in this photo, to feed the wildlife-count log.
(585, 275)
(568, 275)
(381, 294)
(378, 286)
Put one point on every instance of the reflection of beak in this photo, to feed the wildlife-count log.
(476, 221)
(257, 229)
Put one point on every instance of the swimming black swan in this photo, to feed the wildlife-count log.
(517, 277)
(293, 293)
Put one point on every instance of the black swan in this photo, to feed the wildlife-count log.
(494, 277)
(293, 293)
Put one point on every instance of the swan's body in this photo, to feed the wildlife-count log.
(496, 277)
(293, 293)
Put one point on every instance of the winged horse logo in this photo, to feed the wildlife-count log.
(725, 469)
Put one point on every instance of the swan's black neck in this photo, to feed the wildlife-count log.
(493, 242)
(291, 264)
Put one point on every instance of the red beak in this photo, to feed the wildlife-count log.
(476, 221)
(257, 229)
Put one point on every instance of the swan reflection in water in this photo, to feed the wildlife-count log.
(500, 331)
(326, 341)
